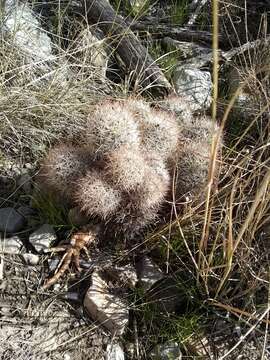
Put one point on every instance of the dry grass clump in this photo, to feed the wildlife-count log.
(32, 117)
(95, 197)
(16, 68)
(90, 54)
(224, 240)
(42, 102)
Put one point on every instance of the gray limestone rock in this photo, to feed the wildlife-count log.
(103, 306)
(169, 350)
(195, 84)
(43, 237)
(10, 220)
(31, 259)
(11, 245)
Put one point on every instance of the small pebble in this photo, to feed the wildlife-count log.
(43, 237)
(114, 352)
(31, 259)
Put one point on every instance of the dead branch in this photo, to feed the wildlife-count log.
(132, 53)
(177, 33)
(249, 46)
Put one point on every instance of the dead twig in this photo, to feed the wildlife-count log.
(79, 241)
(178, 33)
(139, 64)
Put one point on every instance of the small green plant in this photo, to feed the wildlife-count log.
(135, 8)
(162, 326)
(49, 210)
(167, 61)
(179, 11)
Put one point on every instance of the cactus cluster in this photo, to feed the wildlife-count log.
(193, 157)
(123, 171)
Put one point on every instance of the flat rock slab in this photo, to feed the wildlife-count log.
(148, 272)
(10, 220)
(31, 259)
(111, 311)
(43, 237)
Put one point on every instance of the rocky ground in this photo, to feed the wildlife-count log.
(85, 316)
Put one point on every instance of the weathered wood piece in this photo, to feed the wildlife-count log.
(139, 64)
(251, 46)
(178, 33)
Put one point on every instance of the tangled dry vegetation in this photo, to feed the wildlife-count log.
(126, 162)
(40, 97)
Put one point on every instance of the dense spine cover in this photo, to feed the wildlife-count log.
(135, 151)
